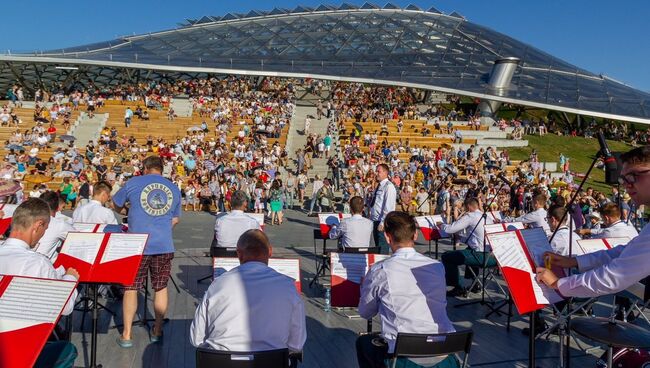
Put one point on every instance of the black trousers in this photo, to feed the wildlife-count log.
(371, 351)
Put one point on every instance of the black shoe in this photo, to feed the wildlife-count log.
(457, 291)
(475, 289)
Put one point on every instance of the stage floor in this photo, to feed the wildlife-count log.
(330, 335)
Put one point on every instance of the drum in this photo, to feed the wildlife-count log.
(626, 358)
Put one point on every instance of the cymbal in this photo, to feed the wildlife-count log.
(618, 334)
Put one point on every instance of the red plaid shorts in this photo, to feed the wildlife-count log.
(159, 267)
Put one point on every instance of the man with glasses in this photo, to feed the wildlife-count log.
(613, 270)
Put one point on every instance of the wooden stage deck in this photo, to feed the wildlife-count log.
(331, 335)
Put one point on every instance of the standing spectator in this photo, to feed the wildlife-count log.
(128, 115)
(275, 197)
(155, 210)
(317, 184)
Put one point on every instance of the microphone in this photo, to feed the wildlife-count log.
(450, 172)
(611, 166)
(504, 179)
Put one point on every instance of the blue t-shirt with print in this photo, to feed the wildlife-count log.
(154, 201)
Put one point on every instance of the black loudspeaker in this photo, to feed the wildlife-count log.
(612, 172)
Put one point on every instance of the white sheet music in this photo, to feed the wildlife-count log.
(29, 301)
(123, 245)
(493, 228)
(538, 289)
(537, 244)
(287, 267)
(9, 210)
(508, 251)
(351, 266)
(83, 246)
(429, 221)
(257, 216)
(86, 227)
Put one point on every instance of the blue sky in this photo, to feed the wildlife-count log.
(601, 36)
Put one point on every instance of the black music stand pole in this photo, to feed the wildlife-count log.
(93, 339)
(531, 340)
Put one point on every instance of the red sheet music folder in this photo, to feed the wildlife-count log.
(5, 221)
(327, 220)
(347, 271)
(103, 257)
(428, 227)
(516, 256)
(29, 310)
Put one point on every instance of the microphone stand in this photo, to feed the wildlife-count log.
(435, 190)
(568, 207)
(483, 219)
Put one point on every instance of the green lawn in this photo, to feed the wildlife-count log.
(580, 151)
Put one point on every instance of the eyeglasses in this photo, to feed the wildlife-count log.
(631, 177)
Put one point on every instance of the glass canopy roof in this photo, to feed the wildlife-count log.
(388, 45)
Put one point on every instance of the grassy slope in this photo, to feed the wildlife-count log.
(579, 150)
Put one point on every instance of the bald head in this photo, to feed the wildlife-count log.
(254, 245)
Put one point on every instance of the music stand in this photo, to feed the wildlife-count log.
(323, 264)
(219, 252)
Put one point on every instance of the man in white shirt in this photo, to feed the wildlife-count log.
(536, 218)
(560, 242)
(94, 211)
(407, 290)
(614, 227)
(251, 307)
(57, 230)
(613, 270)
(230, 226)
(17, 257)
(383, 202)
(356, 231)
(471, 228)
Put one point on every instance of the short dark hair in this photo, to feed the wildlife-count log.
(611, 210)
(557, 212)
(153, 163)
(540, 199)
(101, 187)
(356, 204)
(384, 166)
(238, 199)
(30, 211)
(471, 201)
(52, 199)
(254, 243)
(400, 226)
(639, 155)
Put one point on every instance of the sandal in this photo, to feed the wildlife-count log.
(126, 344)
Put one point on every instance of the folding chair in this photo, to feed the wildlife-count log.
(409, 345)
(209, 358)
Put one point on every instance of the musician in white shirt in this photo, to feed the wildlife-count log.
(94, 210)
(614, 227)
(407, 290)
(613, 270)
(560, 242)
(356, 231)
(471, 228)
(383, 202)
(230, 226)
(57, 230)
(536, 218)
(17, 257)
(251, 307)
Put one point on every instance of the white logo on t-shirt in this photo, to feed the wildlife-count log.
(156, 199)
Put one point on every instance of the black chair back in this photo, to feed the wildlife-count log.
(366, 250)
(209, 358)
(431, 345)
(222, 252)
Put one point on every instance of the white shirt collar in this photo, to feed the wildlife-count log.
(16, 242)
(407, 250)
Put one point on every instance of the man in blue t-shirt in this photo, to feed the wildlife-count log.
(155, 206)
